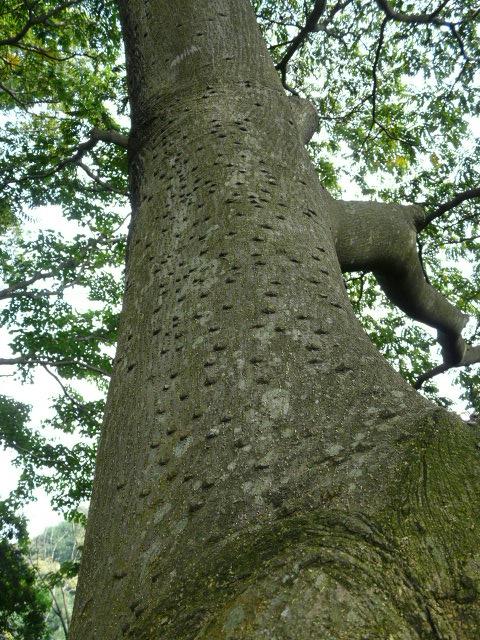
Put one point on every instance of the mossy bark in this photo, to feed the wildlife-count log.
(262, 471)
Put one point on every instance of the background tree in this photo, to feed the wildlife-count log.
(55, 555)
(24, 601)
(403, 112)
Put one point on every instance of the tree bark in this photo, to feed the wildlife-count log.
(262, 471)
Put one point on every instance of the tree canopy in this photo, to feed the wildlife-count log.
(396, 86)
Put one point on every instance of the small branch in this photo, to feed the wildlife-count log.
(65, 606)
(374, 75)
(84, 253)
(96, 135)
(420, 257)
(73, 400)
(105, 185)
(472, 356)
(447, 206)
(13, 95)
(430, 374)
(56, 608)
(347, 115)
(53, 363)
(9, 292)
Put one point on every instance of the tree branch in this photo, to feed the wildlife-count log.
(15, 289)
(374, 77)
(110, 135)
(105, 185)
(447, 206)
(423, 18)
(53, 363)
(32, 21)
(96, 135)
(72, 399)
(13, 95)
(310, 26)
(472, 356)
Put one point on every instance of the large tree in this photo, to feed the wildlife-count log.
(262, 471)
(395, 88)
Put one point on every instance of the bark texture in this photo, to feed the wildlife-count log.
(262, 472)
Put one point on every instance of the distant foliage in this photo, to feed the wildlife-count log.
(55, 554)
(24, 601)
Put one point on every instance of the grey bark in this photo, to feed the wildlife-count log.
(262, 471)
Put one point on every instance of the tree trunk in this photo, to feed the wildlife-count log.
(262, 471)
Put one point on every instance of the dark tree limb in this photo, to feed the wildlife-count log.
(424, 18)
(469, 194)
(310, 26)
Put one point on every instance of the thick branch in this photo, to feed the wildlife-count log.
(381, 238)
(110, 135)
(310, 26)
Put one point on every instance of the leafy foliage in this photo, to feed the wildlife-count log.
(23, 602)
(62, 78)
